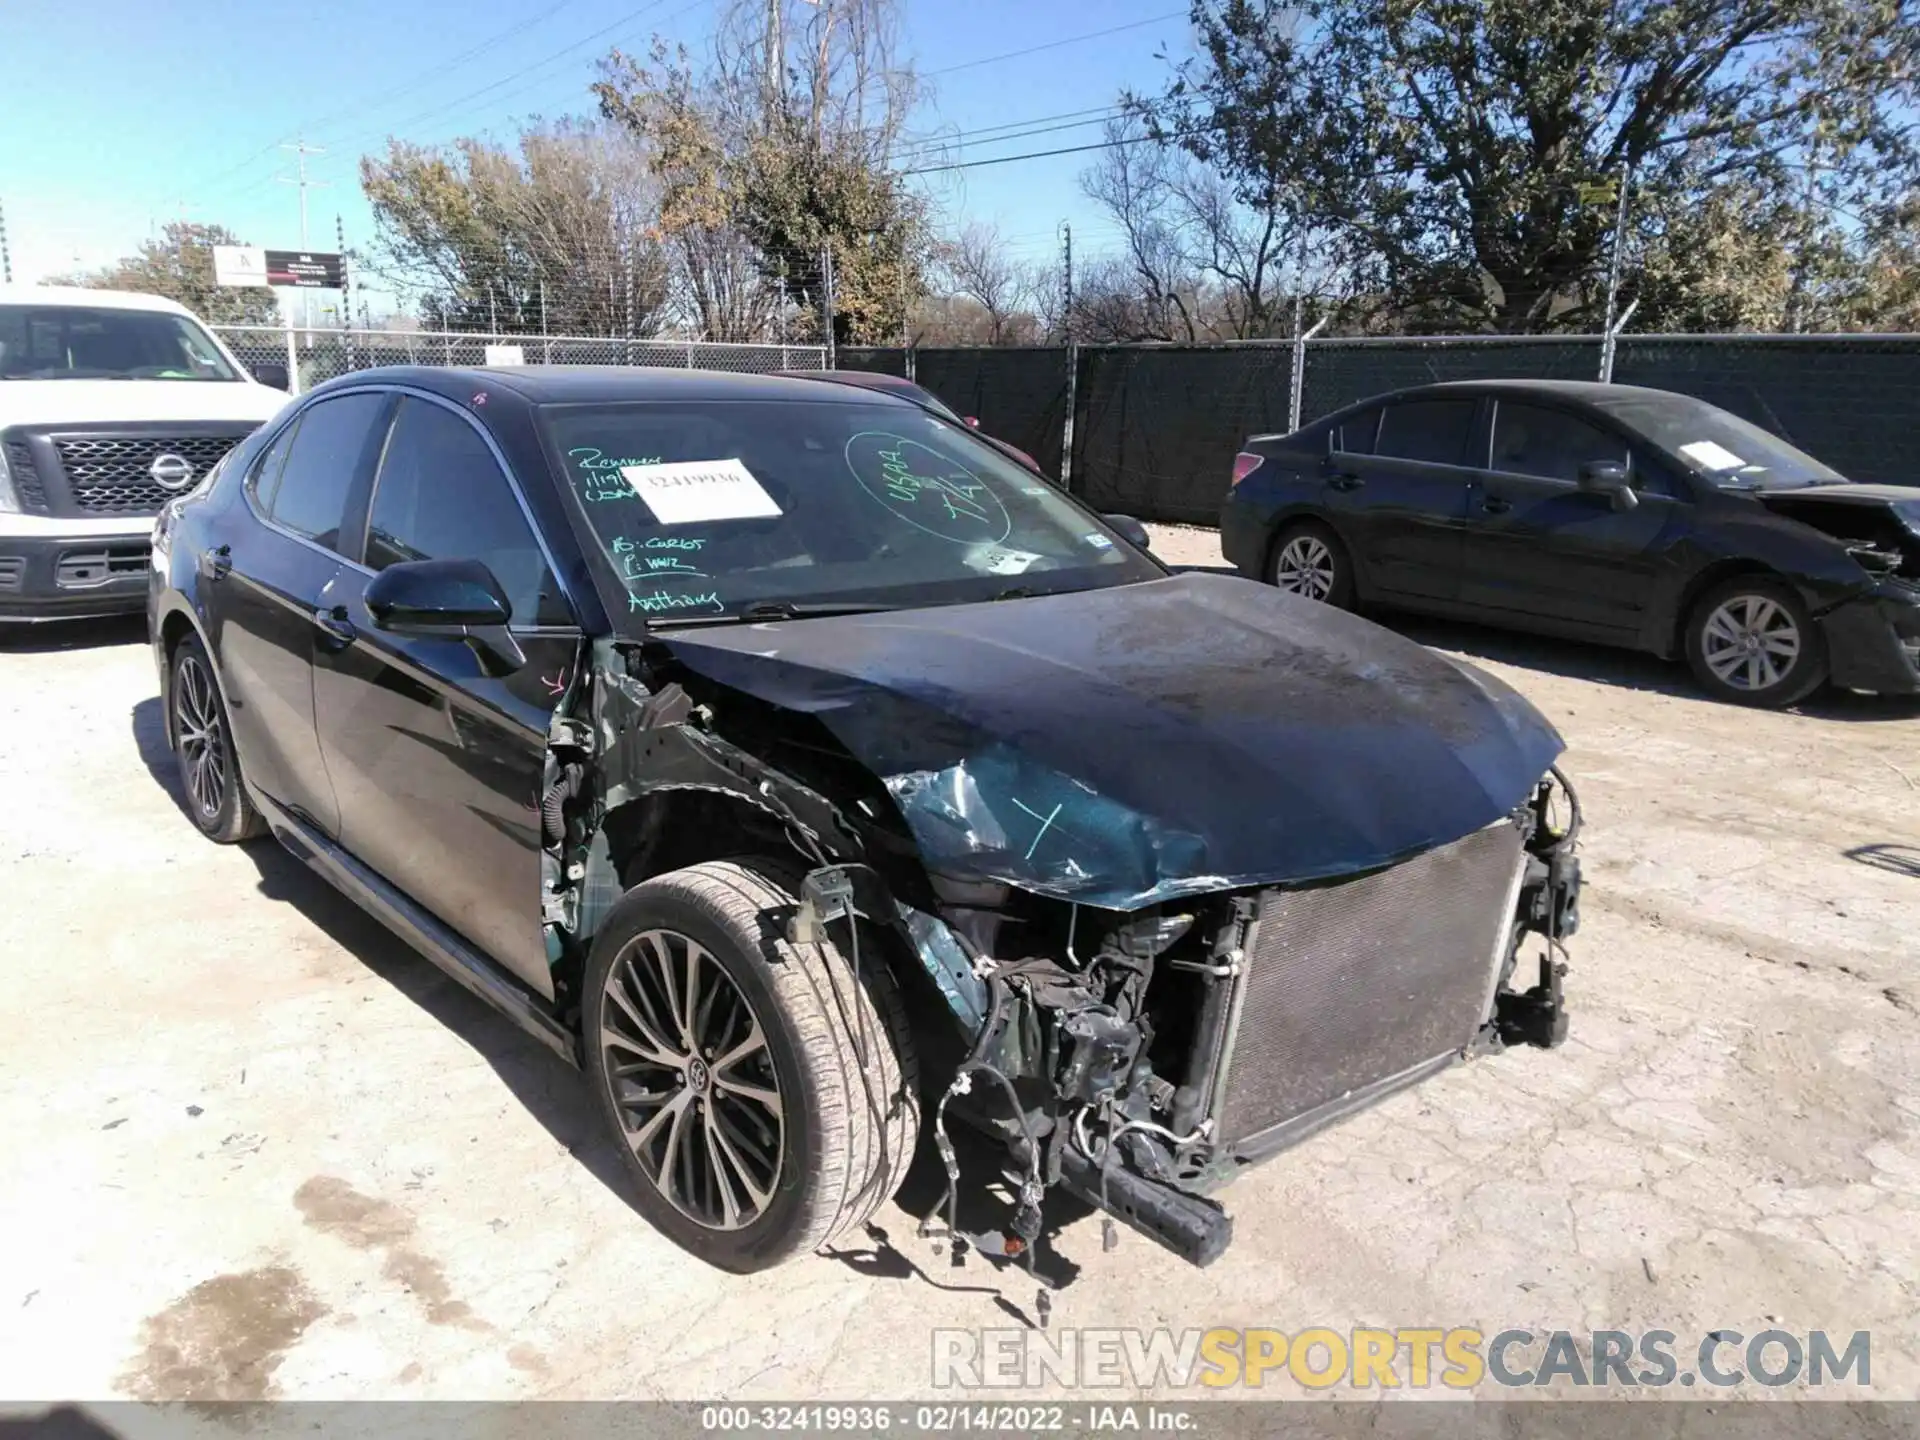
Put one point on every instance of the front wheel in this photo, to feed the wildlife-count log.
(203, 748)
(764, 1102)
(1751, 641)
(1308, 560)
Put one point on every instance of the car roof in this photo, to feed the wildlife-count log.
(92, 299)
(1590, 392)
(602, 384)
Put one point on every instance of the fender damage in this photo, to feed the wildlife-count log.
(1193, 868)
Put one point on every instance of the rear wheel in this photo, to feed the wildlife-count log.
(203, 749)
(763, 1102)
(1308, 560)
(1751, 641)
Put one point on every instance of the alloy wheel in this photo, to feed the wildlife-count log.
(1305, 567)
(1750, 642)
(693, 1081)
(200, 735)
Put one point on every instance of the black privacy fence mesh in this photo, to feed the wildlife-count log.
(1847, 400)
(1156, 427)
(1155, 430)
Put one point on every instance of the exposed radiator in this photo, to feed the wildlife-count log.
(1349, 984)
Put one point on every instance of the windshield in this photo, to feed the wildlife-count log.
(74, 342)
(711, 508)
(1732, 453)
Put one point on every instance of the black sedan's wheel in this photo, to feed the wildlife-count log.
(1751, 641)
(1308, 560)
(763, 1101)
(203, 748)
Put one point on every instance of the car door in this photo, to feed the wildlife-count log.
(262, 586)
(438, 765)
(1398, 494)
(1538, 546)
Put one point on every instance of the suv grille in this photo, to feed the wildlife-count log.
(1350, 984)
(110, 475)
(26, 477)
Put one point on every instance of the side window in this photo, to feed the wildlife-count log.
(1550, 444)
(309, 495)
(1356, 435)
(265, 479)
(1434, 431)
(441, 495)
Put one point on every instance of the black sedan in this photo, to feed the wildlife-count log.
(1600, 512)
(769, 748)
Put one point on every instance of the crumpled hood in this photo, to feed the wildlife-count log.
(1124, 746)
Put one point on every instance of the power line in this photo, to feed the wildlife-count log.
(935, 147)
(1056, 44)
(454, 63)
(1044, 154)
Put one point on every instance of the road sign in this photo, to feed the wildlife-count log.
(305, 269)
(239, 265)
(1604, 193)
(506, 355)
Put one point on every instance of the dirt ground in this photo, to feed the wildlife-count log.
(257, 1148)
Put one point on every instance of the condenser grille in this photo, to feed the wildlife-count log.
(1351, 983)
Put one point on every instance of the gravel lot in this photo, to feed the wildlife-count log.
(257, 1148)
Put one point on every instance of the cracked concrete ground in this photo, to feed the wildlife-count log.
(256, 1148)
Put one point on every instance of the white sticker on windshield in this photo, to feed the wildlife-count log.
(1098, 541)
(691, 491)
(1712, 456)
(998, 560)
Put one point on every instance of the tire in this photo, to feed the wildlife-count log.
(1307, 559)
(838, 1144)
(215, 793)
(1751, 641)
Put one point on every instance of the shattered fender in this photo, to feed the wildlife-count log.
(1127, 746)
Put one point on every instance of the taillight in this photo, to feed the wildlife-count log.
(1245, 464)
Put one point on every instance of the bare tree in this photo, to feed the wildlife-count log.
(978, 267)
(1206, 263)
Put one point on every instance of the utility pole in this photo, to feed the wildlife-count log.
(301, 150)
(6, 255)
(1073, 359)
(826, 271)
(1613, 276)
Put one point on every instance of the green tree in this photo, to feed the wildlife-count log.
(1452, 148)
(557, 234)
(779, 147)
(179, 266)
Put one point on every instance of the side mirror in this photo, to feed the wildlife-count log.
(272, 374)
(1608, 478)
(1130, 530)
(448, 599)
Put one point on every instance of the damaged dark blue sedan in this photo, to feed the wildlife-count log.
(800, 767)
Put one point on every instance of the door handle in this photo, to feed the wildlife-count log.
(1494, 505)
(336, 627)
(1346, 480)
(215, 563)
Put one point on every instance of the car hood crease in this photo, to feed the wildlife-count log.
(1124, 746)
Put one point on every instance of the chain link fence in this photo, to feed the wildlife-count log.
(311, 356)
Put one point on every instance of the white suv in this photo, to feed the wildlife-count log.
(110, 405)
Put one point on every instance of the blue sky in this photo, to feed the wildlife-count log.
(123, 114)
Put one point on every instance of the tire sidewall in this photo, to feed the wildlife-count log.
(1341, 595)
(1809, 669)
(771, 1237)
(225, 821)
